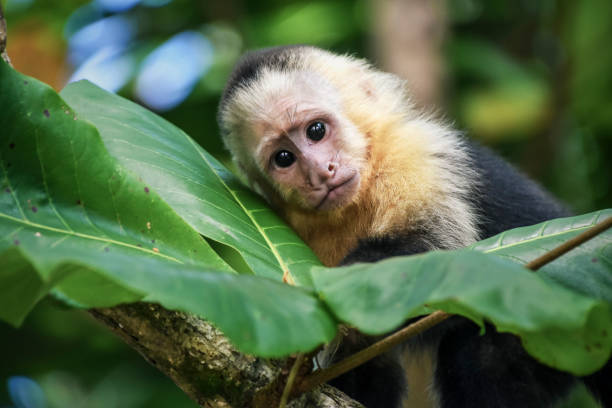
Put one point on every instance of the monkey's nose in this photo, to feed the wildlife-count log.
(320, 173)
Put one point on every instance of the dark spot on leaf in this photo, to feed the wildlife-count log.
(152, 241)
(139, 245)
(16, 242)
(106, 249)
(46, 112)
(598, 345)
(12, 145)
(78, 202)
(588, 348)
(7, 190)
(25, 82)
(594, 260)
(147, 190)
(8, 165)
(604, 333)
(34, 209)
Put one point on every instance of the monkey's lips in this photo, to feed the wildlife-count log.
(339, 193)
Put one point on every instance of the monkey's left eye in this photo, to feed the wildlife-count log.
(315, 131)
(284, 158)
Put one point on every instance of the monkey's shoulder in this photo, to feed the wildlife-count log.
(503, 198)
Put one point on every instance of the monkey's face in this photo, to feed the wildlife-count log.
(307, 153)
(307, 162)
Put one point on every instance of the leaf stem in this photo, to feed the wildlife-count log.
(319, 377)
(290, 380)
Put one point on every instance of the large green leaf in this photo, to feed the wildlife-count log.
(564, 329)
(74, 219)
(586, 269)
(197, 187)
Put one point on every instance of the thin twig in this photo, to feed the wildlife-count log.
(376, 349)
(427, 322)
(290, 380)
(569, 245)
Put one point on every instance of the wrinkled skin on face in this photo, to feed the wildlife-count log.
(307, 153)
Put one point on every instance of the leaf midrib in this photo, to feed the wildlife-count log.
(285, 269)
(87, 236)
(526, 241)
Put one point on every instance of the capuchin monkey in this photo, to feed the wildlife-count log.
(337, 148)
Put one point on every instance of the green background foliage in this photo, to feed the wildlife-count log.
(529, 78)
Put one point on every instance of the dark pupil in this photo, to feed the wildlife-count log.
(316, 131)
(284, 158)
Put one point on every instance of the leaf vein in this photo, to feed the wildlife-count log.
(29, 223)
(45, 184)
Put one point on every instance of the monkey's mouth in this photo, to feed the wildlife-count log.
(338, 195)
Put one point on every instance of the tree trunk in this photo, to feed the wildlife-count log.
(3, 53)
(408, 36)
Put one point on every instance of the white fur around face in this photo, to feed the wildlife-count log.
(415, 172)
(266, 114)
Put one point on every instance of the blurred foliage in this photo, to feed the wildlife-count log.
(534, 80)
(531, 78)
(80, 364)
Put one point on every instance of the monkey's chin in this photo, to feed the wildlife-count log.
(340, 195)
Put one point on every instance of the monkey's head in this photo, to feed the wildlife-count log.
(283, 120)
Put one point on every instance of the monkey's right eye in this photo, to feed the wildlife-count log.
(284, 158)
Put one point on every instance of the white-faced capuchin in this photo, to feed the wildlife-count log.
(336, 147)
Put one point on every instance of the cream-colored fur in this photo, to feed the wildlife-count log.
(415, 172)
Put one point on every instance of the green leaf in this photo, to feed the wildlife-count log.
(586, 269)
(74, 220)
(559, 327)
(193, 183)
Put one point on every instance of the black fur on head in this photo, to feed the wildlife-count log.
(249, 65)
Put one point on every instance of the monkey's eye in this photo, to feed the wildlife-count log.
(284, 158)
(315, 131)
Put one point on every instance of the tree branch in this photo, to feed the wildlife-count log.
(191, 352)
(202, 362)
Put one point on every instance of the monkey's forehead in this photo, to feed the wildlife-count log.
(276, 98)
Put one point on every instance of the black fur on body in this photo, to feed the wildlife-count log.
(472, 370)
